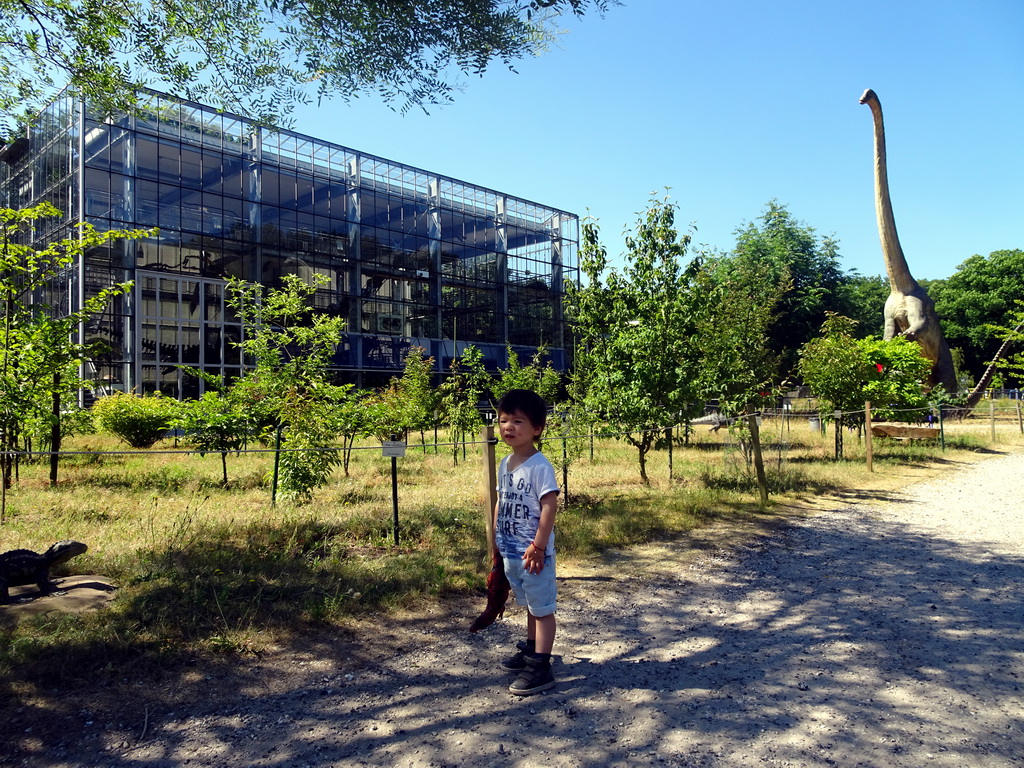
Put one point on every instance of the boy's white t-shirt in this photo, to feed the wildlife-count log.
(519, 494)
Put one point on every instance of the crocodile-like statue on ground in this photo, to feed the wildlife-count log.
(23, 566)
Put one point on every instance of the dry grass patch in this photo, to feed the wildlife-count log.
(203, 568)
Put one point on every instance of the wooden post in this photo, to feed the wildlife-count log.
(868, 448)
(490, 480)
(992, 415)
(755, 442)
(1020, 418)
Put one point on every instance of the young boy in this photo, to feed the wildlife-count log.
(524, 521)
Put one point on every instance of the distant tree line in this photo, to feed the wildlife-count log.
(655, 338)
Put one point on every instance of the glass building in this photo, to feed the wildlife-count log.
(411, 257)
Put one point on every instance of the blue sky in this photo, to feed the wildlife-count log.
(738, 102)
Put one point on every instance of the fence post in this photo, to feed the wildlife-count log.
(394, 492)
(1020, 418)
(942, 428)
(277, 466)
(755, 443)
(490, 479)
(668, 436)
(992, 416)
(868, 447)
(837, 416)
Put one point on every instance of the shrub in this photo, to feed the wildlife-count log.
(139, 421)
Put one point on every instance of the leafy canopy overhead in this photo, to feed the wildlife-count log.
(261, 57)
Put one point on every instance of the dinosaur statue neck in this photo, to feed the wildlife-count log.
(900, 278)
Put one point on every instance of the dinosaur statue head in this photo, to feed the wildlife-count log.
(869, 95)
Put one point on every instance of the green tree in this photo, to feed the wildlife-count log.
(977, 299)
(460, 393)
(539, 376)
(844, 372)
(737, 361)
(565, 436)
(863, 300)
(417, 396)
(260, 57)
(636, 329)
(787, 250)
(216, 422)
(353, 421)
(289, 347)
(42, 351)
(387, 413)
(1012, 332)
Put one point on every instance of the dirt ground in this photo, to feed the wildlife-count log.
(884, 629)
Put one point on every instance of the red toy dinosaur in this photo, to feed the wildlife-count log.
(497, 595)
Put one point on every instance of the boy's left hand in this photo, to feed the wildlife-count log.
(533, 559)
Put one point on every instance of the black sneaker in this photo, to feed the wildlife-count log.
(517, 661)
(535, 677)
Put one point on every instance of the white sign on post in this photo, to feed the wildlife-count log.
(393, 448)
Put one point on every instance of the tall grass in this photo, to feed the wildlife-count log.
(202, 567)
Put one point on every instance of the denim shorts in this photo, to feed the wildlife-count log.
(537, 591)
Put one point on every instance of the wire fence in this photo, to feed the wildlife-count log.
(713, 420)
(739, 437)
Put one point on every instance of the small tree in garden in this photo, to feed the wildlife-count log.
(352, 420)
(311, 427)
(844, 372)
(386, 413)
(290, 347)
(41, 352)
(738, 363)
(216, 422)
(419, 399)
(460, 393)
(565, 437)
(638, 329)
(538, 376)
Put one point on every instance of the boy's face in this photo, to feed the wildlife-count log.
(517, 431)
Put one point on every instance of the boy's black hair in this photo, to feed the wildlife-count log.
(526, 402)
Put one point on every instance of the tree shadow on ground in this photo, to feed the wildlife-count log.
(871, 646)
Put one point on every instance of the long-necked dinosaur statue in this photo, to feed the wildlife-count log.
(909, 311)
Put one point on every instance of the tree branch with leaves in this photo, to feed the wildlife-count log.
(262, 57)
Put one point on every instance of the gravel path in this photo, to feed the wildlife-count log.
(881, 634)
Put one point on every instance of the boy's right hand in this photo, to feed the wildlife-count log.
(533, 559)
